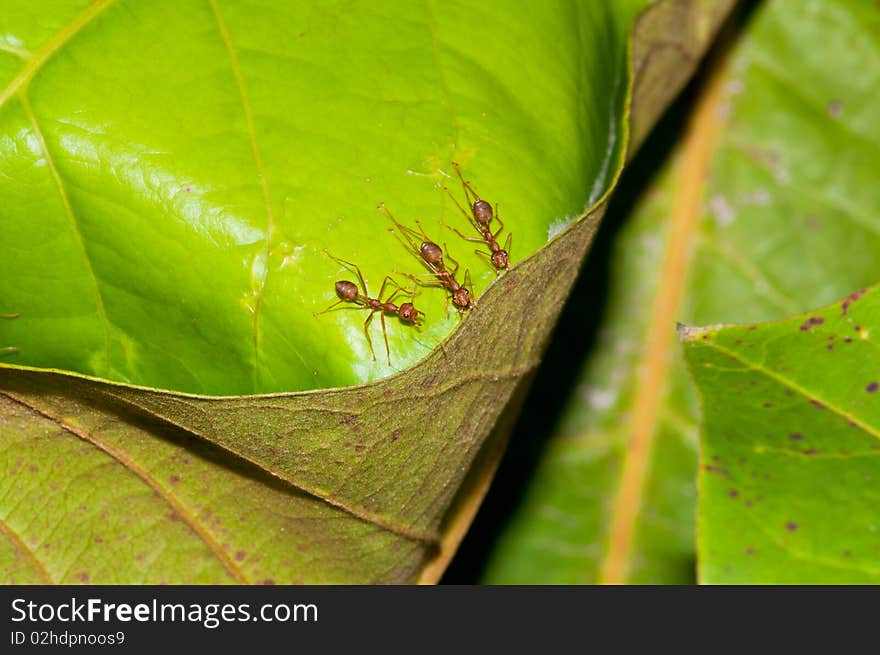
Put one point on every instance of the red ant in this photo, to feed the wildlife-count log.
(481, 218)
(8, 349)
(432, 257)
(349, 292)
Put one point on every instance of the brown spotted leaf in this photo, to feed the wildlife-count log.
(791, 439)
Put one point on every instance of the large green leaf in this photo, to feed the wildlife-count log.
(788, 482)
(184, 165)
(173, 171)
(767, 209)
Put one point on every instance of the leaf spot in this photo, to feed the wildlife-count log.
(810, 322)
(851, 298)
(872, 387)
(835, 109)
(791, 526)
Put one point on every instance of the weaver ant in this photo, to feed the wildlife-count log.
(481, 218)
(8, 349)
(432, 257)
(349, 292)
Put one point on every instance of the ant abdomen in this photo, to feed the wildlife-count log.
(346, 290)
(483, 212)
(431, 252)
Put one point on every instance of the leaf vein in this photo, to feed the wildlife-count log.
(444, 86)
(146, 477)
(22, 547)
(53, 45)
(794, 387)
(74, 227)
(261, 175)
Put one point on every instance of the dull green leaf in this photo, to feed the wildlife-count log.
(788, 476)
(246, 147)
(782, 161)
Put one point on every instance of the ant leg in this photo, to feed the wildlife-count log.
(466, 238)
(425, 237)
(508, 242)
(394, 294)
(469, 216)
(488, 257)
(353, 267)
(469, 192)
(328, 309)
(408, 245)
(412, 299)
(405, 232)
(397, 289)
(385, 335)
(385, 282)
(500, 223)
(433, 282)
(468, 284)
(9, 315)
(367, 332)
(451, 259)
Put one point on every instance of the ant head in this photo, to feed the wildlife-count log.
(408, 313)
(500, 259)
(431, 252)
(461, 298)
(482, 212)
(346, 290)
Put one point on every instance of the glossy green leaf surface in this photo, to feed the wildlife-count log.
(786, 222)
(788, 481)
(355, 484)
(173, 171)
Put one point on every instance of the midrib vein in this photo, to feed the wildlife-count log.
(74, 228)
(363, 515)
(42, 55)
(444, 87)
(693, 169)
(261, 174)
(146, 477)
